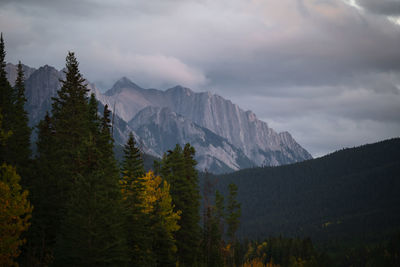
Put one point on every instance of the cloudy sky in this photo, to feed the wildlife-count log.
(327, 71)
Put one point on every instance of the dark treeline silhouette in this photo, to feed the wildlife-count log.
(348, 195)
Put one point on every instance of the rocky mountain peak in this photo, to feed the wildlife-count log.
(121, 84)
(180, 90)
(11, 70)
(226, 137)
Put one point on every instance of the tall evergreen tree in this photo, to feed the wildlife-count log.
(233, 212)
(7, 108)
(212, 242)
(137, 222)
(61, 139)
(15, 209)
(76, 163)
(92, 228)
(70, 119)
(45, 188)
(16, 150)
(133, 161)
(178, 168)
(19, 143)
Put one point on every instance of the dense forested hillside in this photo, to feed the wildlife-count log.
(350, 195)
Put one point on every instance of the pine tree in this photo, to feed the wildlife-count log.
(15, 210)
(77, 164)
(233, 212)
(92, 232)
(45, 188)
(137, 222)
(178, 168)
(213, 230)
(61, 140)
(133, 161)
(19, 143)
(7, 108)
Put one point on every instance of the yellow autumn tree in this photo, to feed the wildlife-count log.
(158, 201)
(15, 213)
(153, 200)
(157, 204)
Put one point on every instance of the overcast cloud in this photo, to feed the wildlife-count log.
(327, 71)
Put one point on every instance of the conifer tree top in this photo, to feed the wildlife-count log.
(20, 85)
(2, 58)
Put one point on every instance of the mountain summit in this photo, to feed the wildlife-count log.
(226, 138)
(242, 129)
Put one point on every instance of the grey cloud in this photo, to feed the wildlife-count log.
(318, 66)
(51, 8)
(382, 7)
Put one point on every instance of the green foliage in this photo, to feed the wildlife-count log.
(16, 151)
(76, 190)
(151, 220)
(19, 143)
(212, 242)
(92, 230)
(233, 212)
(6, 99)
(45, 188)
(137, 223)
(350, 196)
(178, 168)
(133, 163)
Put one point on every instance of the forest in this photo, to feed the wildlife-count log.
(70, 202)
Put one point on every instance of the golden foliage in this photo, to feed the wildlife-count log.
(257, 262)
(15, 213)
(156, 192)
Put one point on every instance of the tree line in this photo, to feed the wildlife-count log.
(73, 204)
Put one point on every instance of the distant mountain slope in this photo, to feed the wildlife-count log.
(350, 194)
(161, 129)
(11, 70)
(259, 143)
(234, 139)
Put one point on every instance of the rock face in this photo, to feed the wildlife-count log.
(40, 87)
(226, 138)
(161, 129)
(261, 144)
(11, 70)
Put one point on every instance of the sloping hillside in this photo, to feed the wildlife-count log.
(350, 194)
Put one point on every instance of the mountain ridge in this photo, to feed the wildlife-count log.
(247, 140)
(241, 128)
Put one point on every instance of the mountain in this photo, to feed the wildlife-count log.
(40, 87)
(161, 129)
(261, 144)
(226, 138)
(11, 70)
(352, 194)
